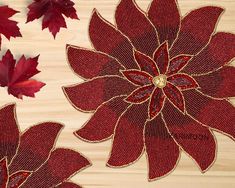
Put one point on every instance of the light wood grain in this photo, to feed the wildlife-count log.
(51, 104)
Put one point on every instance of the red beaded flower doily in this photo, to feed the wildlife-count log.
(30, 159)
(157, 83)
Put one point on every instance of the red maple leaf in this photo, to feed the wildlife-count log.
(53, 11)
(8, 28)
(16, 76)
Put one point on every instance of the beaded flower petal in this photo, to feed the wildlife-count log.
(30, 159)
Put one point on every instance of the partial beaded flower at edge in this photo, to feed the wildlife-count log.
(30, 159)
(157, 83)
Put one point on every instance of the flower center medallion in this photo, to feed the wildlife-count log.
(160, 81)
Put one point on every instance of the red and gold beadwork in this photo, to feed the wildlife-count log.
(159, 78)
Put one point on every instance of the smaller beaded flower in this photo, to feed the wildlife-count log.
(30, 159)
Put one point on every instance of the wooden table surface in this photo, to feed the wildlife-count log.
(51, 104)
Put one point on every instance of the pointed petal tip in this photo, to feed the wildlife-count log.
(64, 89)
(95, 12)
(96, 15)
(136, 52)
(126, 73)
(3, 160)
(217, 9)
(152, 178)
(79, 136)
(129, 100)
(86, 162)
(123, 72)
(12, 106)
(165, 43)
(108, 165)
(67, 46)
(182, 109)
(111, 164)
(58, 125)
(152, 116)
(220, 9)
(75, 133)
(187, 57)
(204, 168)
(163, 46)
(51, 125)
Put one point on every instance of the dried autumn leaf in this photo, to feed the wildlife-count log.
(52, 12)
(16, 76)
(8, 27)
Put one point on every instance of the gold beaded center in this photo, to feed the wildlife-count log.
(160, 81)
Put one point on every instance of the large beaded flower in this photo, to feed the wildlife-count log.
(30, 159)
(157, 83)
